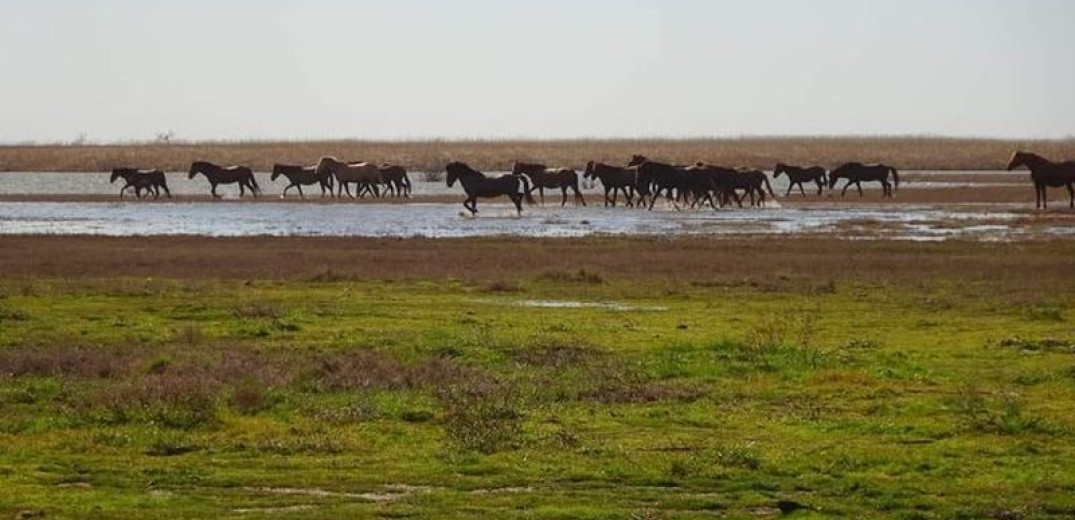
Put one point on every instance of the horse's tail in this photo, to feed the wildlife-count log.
(769, 186)
(895, 177)
(254, 182)
(526, 189)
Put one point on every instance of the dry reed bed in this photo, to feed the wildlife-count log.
(782, 261)
(909, 153)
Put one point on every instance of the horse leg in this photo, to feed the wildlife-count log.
(859, 185)
(803, 193)
(301, 194)
(790, 186)
(846, 186)
(563, 198)
(1071, 193)
(607, 199)
(578, 195)
(517, 198)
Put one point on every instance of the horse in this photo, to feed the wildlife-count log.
(395, 180)
(856, 172)
(543, 177)
(149, 180)
(1044, 172)
(230, 175)
(728, 181)
(365, 174)
(659, 177)
(476, 184)
(300, 176)
(614, 179)
(799, 175)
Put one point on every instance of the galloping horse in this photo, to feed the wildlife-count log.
(551, 178)
(395, 180)
(230, 175)
(365, 174)
(300, 176)
(856, 172)
(799, 175)
(1046, 173)
(613, 178)
(476, 184)
(149, 180)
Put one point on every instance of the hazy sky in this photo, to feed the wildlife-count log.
(232, 69)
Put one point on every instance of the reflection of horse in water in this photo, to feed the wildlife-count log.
(477, 185)
(231, 175)
(799, 175)
(152, 181)
(856, 172)
(1043, 173)
(552, 178)
(300, 176)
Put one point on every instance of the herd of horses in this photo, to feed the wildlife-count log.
(641, 181)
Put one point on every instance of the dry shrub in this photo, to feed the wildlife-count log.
(170, 400)
(481, 414)
(576, 373)
(66, 360)
(370, 370)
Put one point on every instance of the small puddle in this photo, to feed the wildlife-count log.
(608, 306)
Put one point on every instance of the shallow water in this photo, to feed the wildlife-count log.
(439, 220)
(96, 183)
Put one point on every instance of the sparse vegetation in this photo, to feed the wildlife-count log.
(914, 381)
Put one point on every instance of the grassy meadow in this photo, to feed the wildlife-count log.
(564, 393)
(907, 153)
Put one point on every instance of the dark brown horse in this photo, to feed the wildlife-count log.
(727, 182)
(1043, 173)
(856, 172)
(152, 181)
(655, 178)
(300, 176)
(395, 180)
(799, 175)
(216, 175)
(614, 179)
(552, 178)
(476, 185)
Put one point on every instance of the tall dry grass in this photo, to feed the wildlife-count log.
(912, 153)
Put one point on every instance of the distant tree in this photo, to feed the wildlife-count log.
(165, 137)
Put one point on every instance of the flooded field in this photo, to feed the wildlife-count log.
(436, 213)
(96, 183)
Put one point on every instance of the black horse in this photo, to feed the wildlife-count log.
(799, 175)
(614, 179)
(300, 176)
(856, 172)
(476, 185)
(230, 175)
(1044, 172)
(152, 181)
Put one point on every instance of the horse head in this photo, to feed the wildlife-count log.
(780, 168)
(116, 173)
(1018, 159)
(590, 172)
(452, 170)
(195, 167)
(637, 160)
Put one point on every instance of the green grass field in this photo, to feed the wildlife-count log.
(128, 398)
